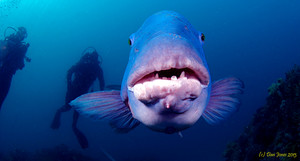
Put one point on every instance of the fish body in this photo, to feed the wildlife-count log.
(166, 84)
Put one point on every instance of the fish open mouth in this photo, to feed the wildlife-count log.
(180, 83)
(170, 74)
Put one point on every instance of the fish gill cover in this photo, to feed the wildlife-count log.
(274, 131)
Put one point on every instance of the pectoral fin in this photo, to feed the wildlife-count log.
(106, 105)
(223, 99)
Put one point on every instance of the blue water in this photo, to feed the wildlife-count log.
(257, 41)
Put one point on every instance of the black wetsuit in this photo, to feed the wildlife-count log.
(12, 59)
(80, 77)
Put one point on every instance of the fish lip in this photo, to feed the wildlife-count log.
(199, 70)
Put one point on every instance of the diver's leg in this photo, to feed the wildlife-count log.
(56, 120)
(5, 82)
(80, 136)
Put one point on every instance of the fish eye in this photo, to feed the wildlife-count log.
(131, 39)
(129, 42)
(202, 37)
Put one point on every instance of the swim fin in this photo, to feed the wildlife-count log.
(81, 138)
(56, 121)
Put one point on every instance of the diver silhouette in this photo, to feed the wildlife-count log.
(12, 55)
(80, 78)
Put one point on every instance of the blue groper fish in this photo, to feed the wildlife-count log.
(166, 85)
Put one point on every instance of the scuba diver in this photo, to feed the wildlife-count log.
(12, 56)
(80, 78)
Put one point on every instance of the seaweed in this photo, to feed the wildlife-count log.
(275, 127)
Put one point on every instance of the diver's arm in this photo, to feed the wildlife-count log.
(101, 79)
(23, 50)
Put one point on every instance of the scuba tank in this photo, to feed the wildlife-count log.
(3, 44)
(16, 35)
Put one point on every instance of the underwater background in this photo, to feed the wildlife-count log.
(256, 41)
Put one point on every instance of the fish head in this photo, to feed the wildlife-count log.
(167, 82)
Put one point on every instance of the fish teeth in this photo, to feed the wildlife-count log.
(130, 89)
(173, 77)
(156, 76)
(182, 74)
